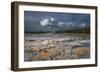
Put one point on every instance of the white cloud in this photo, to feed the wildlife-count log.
(60, 23)
(52, 19)
(44, 22)
(47, 21)
(83, 25)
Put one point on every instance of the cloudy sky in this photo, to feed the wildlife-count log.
(36, 21)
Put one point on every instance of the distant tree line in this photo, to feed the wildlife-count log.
(85, 31)
(82, 30)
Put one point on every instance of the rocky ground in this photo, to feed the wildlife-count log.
(48, 49)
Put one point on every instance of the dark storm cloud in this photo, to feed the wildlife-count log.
(36, 21)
